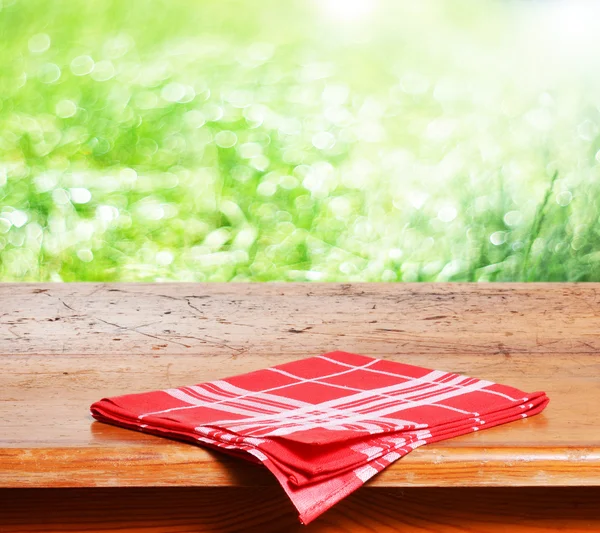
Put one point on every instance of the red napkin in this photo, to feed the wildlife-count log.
(324, 425)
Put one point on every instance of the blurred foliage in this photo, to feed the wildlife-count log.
(354, 140)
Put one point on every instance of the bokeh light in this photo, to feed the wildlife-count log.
(353, 140)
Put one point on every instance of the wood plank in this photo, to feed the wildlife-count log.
(271, 319)
(179, 510)
(535, 336)
(549, 449)
(173, 464)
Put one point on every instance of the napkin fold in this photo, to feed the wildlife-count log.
(323, 425)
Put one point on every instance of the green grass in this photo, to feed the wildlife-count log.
(191, 141)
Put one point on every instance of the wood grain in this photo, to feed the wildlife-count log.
(270, 319)
(179, 510)
(64, 346)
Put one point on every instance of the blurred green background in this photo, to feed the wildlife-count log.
(354, 140)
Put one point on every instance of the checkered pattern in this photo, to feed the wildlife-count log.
(324, 425)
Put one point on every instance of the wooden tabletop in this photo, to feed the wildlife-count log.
(63, 346)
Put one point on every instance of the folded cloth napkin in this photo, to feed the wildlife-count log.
(323, 425)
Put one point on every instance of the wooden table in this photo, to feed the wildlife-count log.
(64, 346)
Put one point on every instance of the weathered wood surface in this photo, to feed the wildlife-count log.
(64, 346)
(179, 510)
